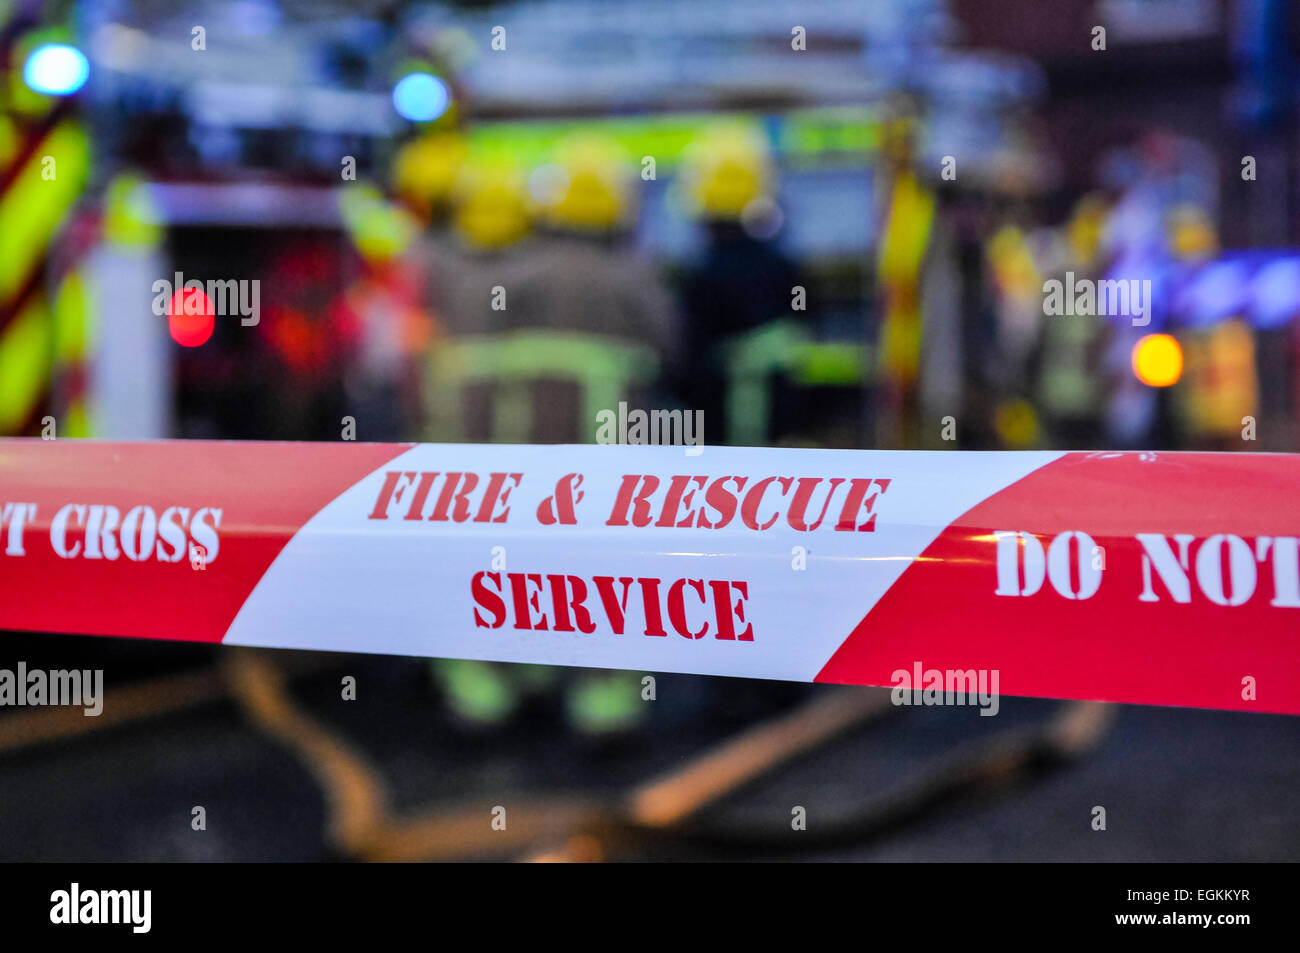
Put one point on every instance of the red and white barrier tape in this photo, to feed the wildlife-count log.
(1168, 578)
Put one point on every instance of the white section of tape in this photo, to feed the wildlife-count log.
(349, 583)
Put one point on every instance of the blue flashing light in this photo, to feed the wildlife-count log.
(421, 97)
(56, 69)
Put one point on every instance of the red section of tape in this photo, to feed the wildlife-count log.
(944, 611)
(264, 491)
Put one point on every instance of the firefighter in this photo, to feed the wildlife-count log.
(582, 275)
(490, 218)
(742, 281)
(473, 271)
(596, 315)
(576, 277)
(1070, 379)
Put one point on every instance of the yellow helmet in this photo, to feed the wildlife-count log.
(491, 205)
(425, 170)
(588, 187)
(727, 170)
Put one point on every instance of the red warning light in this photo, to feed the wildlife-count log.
(191, 317)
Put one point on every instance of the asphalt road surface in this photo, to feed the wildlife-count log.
(1175, 784)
